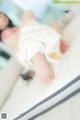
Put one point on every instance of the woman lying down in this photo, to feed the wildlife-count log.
(34, 43)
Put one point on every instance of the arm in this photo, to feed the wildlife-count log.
(42, 68)
(27, 16)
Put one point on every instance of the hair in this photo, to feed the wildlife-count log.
(10, 25)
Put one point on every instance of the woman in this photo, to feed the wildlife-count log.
(10, 36)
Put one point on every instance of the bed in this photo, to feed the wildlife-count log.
(34, 100)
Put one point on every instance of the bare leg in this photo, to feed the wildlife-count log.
(57, 26)
(60, 25)
(64, 45)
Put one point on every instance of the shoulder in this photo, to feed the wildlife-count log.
(9, 31)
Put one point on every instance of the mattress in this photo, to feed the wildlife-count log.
(51, 101)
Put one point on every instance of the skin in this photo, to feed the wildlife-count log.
(3, 21)
(42, 68)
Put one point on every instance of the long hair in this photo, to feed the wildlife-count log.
(10, 25)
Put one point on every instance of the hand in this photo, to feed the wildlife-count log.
(64, 45)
